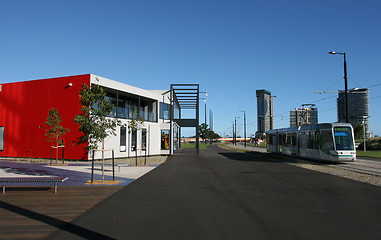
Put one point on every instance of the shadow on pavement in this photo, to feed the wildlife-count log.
(69, 227)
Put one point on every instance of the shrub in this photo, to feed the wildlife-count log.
(371, 144)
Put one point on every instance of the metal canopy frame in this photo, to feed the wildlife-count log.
(185, 97)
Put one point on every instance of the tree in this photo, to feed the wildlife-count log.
(359, 131)
(56, 131)
(135, 124)
(213, 135)
(204, 131)
(94, 119)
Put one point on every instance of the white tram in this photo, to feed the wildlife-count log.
(332, 142)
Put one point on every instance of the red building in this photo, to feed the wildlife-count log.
(24, 107)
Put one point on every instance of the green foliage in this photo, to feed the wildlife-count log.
(359, 131)
(135, 124)
(205, 132)
(371, 144)
(94, 121)
(56, 131)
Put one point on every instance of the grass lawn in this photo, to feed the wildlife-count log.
(376, 154)
(193, 145)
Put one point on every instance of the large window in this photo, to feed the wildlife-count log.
(129, 106)
(326, 140)
(123, 138)
(1, 138)
(164, 139)
(134, 139)
(164, 111)
(144, 139)
(343, 138)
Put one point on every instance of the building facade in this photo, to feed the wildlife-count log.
(24, 109)
(264, 112)
(303, 116)
(358, 107)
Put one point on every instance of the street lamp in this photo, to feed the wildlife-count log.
(346, 84)
(235, 137)
(244, 124)
(364, 130)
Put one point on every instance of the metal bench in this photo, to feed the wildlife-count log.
(4, 180)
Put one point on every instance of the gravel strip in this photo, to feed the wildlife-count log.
(331, 169)
(319, 167)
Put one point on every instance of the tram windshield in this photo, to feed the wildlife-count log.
(343, 138)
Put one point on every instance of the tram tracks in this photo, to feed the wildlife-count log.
(371, 167)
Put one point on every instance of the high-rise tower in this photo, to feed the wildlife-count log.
(358, 107)
(264, 112)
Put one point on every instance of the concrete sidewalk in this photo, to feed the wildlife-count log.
(79, 174)
(222, 194)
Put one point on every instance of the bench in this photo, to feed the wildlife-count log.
(122, 165)
(116, 165)
(4, 180)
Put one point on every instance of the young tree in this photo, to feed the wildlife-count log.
(204, 131)
(56, 131)
(94, 118)
(135, 124)
(213, 135)
(359, 131)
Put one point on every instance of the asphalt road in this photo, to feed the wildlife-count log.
(221, 194)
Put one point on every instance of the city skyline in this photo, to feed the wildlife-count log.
(230, 48)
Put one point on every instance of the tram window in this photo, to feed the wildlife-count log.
(317, 140)
(293, 139)
(269, 139)
(310, 140)
(280, 139)
(288, 140)
(303, 140)
(343, 138)
(327, 140)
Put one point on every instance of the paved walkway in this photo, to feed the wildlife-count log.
(79, 174)
(221, 194)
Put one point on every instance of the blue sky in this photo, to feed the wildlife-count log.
(231, 48)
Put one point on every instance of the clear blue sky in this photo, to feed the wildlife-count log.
(231, 48)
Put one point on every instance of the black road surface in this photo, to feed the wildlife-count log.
(221, 194)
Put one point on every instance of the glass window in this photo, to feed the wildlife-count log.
(318, 142)
(144, 139)
(326, 140)
(134, 138)
(303, 140)
(123, 139)
(310, 143)
(164, 110)
(343, 138)
(1, 138)
(293, 139)
(112, 98)
(164, 139)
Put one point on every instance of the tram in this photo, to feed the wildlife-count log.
(331, 142)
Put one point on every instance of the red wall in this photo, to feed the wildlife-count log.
(24, 108)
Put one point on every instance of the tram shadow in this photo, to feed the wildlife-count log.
(251, 156)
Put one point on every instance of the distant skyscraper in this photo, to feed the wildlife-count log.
(304, 115)
(264, 112)
(358, 107)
